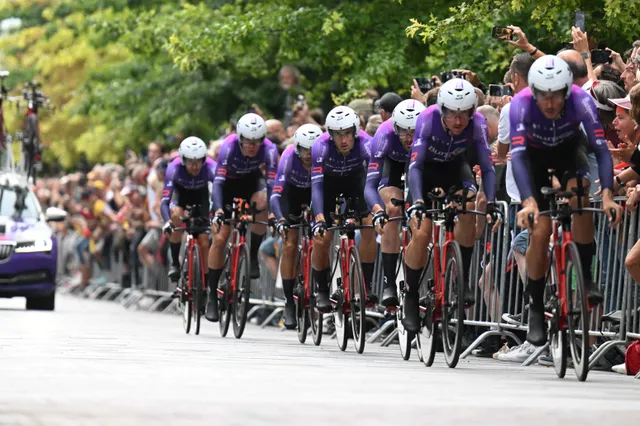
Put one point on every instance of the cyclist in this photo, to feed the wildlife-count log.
(390, 150)
(545, 134)
(292, 190)
(339, 158)
(186, 183)
(443, 134)
(239, 175)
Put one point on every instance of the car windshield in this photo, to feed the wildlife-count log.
(8, 204)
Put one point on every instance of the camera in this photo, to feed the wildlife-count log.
(300, 101)
(448, 75)
(425, 84)
(499, 90)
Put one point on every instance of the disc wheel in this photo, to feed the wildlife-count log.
(224, 305)
(557, 337)
(428, 333)
(578, 314)
(357, 304)
(241, 295)
(340, 320)
(453, 310)
(196, 290)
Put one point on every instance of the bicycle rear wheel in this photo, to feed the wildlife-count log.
(453, 309)
(187, 311)
(302, 312)
(30, 144)
(241, 295)
(357, 302)
(578, 314)
(224, 305)
(404, 337)
(557, 337)
(196, 288)
(316, 317)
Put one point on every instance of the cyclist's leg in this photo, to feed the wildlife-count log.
(390, 245)
(465, 228)
(583, 225)
(367, 247)
(320, 264)
(177, 211)
(537, 253)
(288, 272)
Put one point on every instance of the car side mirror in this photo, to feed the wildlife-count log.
(54, 214)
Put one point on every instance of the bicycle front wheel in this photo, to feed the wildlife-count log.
(196, 288)
(224, 305)
(241, 295)
(578, 314)
(315, 316)
(557, 337)
(357, 302)
(453, 309)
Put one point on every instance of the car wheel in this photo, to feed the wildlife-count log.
(46, 303)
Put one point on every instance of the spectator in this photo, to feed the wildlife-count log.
(150, 244)
(493, 117)
(364, 107)
(629, 75)
(387, 104)
(578, 67)
(372, 125)
(603, 91)
(628, 131)
(276, 128)
(289, 77)
(634, 96)
(431, 98)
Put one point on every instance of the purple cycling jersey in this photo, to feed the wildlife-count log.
(433, 144)
(233, 164)
(291, 172)
(530, 128)
(385, 144)
(177, 175)
(326, 159)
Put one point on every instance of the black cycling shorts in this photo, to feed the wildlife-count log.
(392, 172)
(445, 175)
(350, 186)
(566, 160)
(243, 187)
(200, 198)
(292, 200)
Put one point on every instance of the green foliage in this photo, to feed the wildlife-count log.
(123, 72)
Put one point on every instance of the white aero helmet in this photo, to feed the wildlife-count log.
(306, 135)
(457, 94)
(550, 74)
(405, 114)
(192, 148)
(342, 117)
(251, 126)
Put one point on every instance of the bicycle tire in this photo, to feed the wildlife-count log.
(302, 311)
(316, 318)
(241, 294)
(196, 288)
(340, 317)
(357, 302)
(187, 309)
(30, 144)
(557, 337)
(454, 297)
(224, 305)
(577, 309)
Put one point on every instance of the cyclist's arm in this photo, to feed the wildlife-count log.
(221, 176)
(271, 165)
(519, 157)
(418, 154)
(318, 151)
(284, 168)
(167, 192)
(481, 140)
(379, 148)
(588, 115)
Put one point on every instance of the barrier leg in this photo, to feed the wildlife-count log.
(161, 300)
(484, 336)
(271, 317)
(375, 336)
(602, 351)
(387, 341)
(534, 356)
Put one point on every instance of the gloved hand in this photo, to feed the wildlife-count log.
(319, 228)
(167, 228)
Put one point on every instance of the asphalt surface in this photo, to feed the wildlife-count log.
(96, 363)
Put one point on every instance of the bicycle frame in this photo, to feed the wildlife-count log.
(347, 243)
(559, 249)
(192, 244)
(438, 268)
(305, 263)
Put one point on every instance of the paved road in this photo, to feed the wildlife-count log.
(94, 362)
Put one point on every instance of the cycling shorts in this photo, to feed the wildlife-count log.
(200, 198)
(350, 186)
(292, 200)
(243, 187)
(456, 172)
(392, 174)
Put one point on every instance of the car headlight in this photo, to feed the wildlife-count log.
(41, 245)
